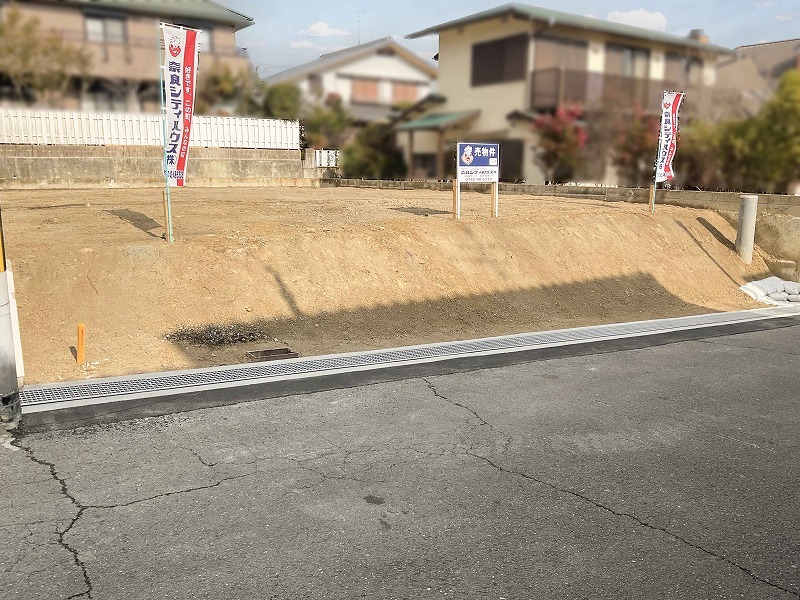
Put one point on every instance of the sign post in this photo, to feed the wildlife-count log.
(178, 74)
(476, 163)
(667, 141)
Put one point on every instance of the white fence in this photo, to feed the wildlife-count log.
(113, 129)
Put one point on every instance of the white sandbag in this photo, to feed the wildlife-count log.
(791, 287)
(793, 298)
(772, 290)
(770, 285)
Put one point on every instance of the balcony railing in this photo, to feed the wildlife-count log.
(594, 91)
(148, 43)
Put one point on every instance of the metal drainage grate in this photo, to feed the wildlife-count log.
(181, 381)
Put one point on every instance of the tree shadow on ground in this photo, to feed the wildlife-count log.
(138, 220)
(582, 303)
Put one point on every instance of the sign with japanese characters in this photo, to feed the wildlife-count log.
(668, 136)
(478, 162)
(180, 70)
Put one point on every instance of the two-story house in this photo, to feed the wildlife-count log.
(370, 79)
(122, 39)
(500, 68)
(772, 59)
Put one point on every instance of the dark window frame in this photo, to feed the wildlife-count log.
(503, 60)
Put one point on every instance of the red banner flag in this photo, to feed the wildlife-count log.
(180, 71)
(668, 136)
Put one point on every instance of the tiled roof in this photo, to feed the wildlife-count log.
(326, 61)
(556, 17)
(200, 10)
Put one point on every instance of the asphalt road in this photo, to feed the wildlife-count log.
(670, 471)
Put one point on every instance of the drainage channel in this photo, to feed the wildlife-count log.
(46, 397)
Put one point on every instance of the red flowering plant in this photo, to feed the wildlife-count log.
(635, 146)
(562, 138)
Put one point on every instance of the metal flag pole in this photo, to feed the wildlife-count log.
(654, 185)
(167, 199)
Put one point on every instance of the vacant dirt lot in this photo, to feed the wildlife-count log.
(333, 270)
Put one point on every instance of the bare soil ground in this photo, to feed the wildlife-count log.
(334, 270)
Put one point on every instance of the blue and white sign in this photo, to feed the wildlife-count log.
(478, 162)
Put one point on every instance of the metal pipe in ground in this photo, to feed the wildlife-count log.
(746, 230)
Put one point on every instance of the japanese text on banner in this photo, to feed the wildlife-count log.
(668, 136)
(478, 162)
(180, 70)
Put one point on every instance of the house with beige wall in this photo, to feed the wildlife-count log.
(122, 39)
(369, 78)
(501, 68)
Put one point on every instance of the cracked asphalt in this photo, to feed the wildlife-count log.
(668, 471)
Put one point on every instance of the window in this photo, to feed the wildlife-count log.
(315, 85)
(204, 40)
(364, 91)
(628, 62)
(404, 92)
(105, 30)
(204, 34)
(500, 60)
(675, 69)
(694, 71)
(560, 53)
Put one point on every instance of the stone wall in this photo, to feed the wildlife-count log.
(39, 166)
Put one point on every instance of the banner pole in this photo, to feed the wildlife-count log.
(167, 200)
(654, 185)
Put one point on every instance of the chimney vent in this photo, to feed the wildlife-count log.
(698, 35)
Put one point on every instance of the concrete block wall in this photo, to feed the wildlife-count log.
(39, 166)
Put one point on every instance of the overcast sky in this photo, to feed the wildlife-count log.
(287, 34)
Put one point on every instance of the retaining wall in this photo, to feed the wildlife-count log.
(41, 166)
(721, 201)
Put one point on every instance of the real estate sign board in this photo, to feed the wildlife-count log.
(478, 162)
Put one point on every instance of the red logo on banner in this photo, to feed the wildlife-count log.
(174, 46)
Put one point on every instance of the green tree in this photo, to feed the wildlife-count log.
(757, 154)
(697, 163)
(283, 101)
(373, 155)
(38, 64)
(221, 91)
(561, 142)
(328, 126)
(779, 134)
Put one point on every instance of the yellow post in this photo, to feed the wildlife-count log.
(80, 354)
(2, 246)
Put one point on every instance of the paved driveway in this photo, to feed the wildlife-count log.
(670, 471)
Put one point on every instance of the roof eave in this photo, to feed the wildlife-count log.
(516, 10)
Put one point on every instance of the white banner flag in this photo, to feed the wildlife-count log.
(180, 70)
(668, 136)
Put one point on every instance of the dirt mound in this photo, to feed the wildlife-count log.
(332, 270)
